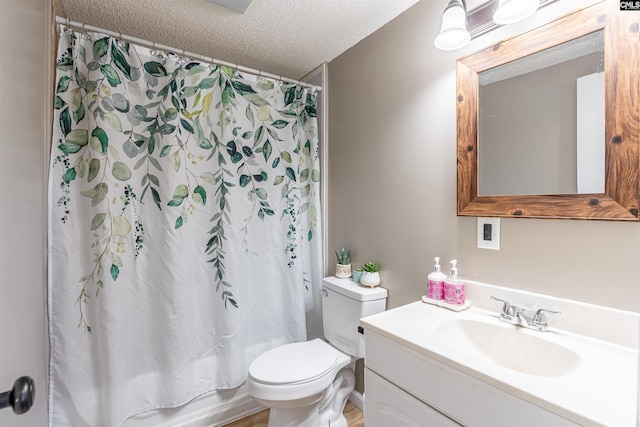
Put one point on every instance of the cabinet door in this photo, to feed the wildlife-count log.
(386, 405)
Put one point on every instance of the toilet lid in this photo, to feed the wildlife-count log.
(294, 363)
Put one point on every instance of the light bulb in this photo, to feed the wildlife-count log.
(453, 33)
(510, 11)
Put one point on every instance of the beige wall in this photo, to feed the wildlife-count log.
(24, 102)
(392, 179)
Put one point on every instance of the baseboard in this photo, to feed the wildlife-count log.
(213, 409)
(357, 399)
(224, 414)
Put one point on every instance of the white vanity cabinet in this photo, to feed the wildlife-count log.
(406, 388)
(388, 405)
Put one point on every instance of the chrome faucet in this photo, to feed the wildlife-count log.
(516, 315)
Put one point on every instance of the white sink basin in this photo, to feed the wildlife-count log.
(509, 346)
(587, 380)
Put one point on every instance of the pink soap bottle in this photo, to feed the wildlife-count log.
(435, 282)
(454, 286)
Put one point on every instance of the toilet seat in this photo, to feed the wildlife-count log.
(295, 363)
(295, 371)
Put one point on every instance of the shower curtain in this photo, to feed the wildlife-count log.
(184, 227)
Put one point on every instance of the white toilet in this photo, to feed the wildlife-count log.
(307, 384)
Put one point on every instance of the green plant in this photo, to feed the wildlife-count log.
(344, 256)
(371, 267)
(359, 269)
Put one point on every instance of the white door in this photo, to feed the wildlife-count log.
(24, 89)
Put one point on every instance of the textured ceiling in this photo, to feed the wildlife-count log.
(289, 38)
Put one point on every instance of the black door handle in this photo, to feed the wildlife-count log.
(20, 397)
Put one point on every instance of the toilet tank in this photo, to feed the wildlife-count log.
(344, 303)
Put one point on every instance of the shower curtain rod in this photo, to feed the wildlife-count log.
(182, 52)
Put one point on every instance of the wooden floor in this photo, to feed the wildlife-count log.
(354, 416)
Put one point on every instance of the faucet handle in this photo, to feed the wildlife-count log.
(507, 308)
(539, 319)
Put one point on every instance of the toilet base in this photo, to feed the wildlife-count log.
(295, 417)
(322, 410)
(332, 406)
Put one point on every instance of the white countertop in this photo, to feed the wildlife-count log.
(601, 390)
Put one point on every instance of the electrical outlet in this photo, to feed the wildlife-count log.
(489, 233)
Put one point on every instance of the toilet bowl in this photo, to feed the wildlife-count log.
(307, 384)
(299, 381)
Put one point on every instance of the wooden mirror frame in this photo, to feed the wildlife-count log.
(621, 199)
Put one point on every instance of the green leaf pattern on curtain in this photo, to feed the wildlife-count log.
(215, 131)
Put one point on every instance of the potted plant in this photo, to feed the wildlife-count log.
(370, 275)
(343, 269)
(357, 274)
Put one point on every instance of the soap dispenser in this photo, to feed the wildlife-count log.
(454, 286)
(435, 282)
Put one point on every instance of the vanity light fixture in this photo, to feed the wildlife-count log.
(510, 11)
(453, 33)
(459, 26)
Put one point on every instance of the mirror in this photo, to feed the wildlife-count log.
(548, 122)
(553, 103)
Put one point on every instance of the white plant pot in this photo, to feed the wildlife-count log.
(343, 271)
(370, 279)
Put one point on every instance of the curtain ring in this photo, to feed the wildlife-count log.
(67, 28)
(183, 59)
(85, 34)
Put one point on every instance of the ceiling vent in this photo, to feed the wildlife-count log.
(239, 6)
